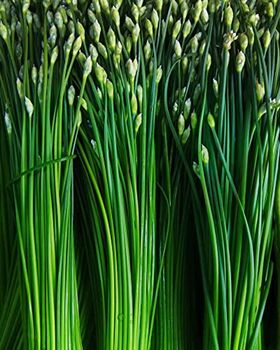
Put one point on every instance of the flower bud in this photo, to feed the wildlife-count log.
(181, 124)
(194, 44)
(187, 108)
(186, 29)
(149, 27)
(133, 104)
(100, 73)
(186, 135)
(196, 94)
(129, 23)
(215, 88)
(147, 50)
(102, 50)
(115, 16)
(131, 70)
(266, 39)
(8, 123)
(158, 74)
(208, 62)
(197, 10)
(111, 39)
(204, 16)
(71, 95)
(193, 120)
(29, 106)
(96, 31)
(155, 19)
(243, 41)
(87, 67)
(34, 74)
(228, 16)
(158, 5)
(138, 122)
(93, 53)
(135, 33)
(110, 89)
(54, 55)
(235, 24)
(135, 12)
(19, 88)
(3, 31)
(185, 63)
(270, 9)
(96, 7)
(251, 35)
(177, 49)
(128, 43)
(240, 61)
(259, 91)
(204, 155)
(211, 121)
(77, 45)
(176, 29)
(140, 95)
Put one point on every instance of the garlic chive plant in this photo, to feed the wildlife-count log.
(139, 173)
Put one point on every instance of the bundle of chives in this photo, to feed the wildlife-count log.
(41, 132)
(235, 244)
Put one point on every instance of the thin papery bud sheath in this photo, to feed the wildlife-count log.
(96, 31)
(181, 124)
(260, 91)
(186, 135)
(87, 67)
(147, 50)
(110, 89)
(235, 24)
(3, 31)
(228, 16)
(204, 155)
(93, 52)
(129, 23)
(240, 61)
(177, 49)
(8, 123)
(211, 120)
(215, 88)
(100, 73)
(140, 95)
(71, 95)
(77, 45)
(266, 38)
(155, 19)
(158, 5)
(135, 12)
(81, 31)
(135, 33)
(149, 27)
(54, 55)
(243, 41)
(194, 44)
(34, 74)
(176, 29)
(187, 108)
(138, 122)
(19, 88)
(158, 74)
(111, 39)
(134, 105)
(115, 16)
(193, 120)
(29, 106)
(196, 11)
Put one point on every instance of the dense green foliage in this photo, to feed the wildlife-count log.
(139, 174)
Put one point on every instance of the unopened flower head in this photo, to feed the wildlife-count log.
(181, 124)
(176, 29)
(29, 106)
(155, 19)
(177, 49)
(115, 16)
(87, 67)
(240, 61)
(71, 95)
(186, 135)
